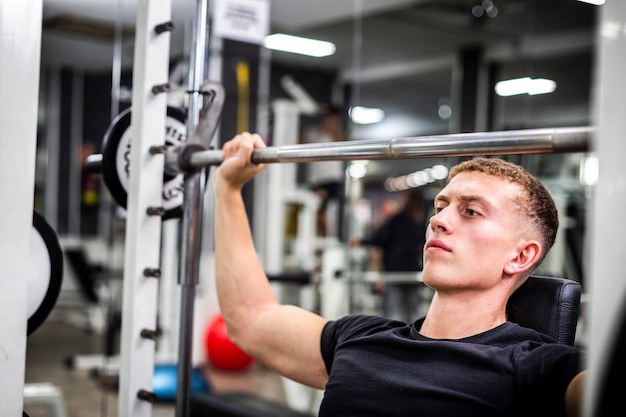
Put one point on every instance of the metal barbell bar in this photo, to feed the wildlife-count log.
(552, 140)
(547, 140)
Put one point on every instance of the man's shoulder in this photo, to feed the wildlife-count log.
(359, 325)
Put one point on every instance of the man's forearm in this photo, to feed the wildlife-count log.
(242, 285)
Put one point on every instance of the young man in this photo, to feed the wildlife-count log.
(493, 224)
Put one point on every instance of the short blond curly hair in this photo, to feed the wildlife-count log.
(538, 206)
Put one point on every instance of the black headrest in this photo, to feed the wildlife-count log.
(547, 304)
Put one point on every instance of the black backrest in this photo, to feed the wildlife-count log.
(549, 305)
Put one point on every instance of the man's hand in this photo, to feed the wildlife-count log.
(237, 168)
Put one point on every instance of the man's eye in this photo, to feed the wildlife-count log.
(471, 212)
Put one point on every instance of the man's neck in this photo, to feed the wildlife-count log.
(457, 317)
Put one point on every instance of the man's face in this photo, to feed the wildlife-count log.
(474, 232)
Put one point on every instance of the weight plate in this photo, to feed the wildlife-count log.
(116, 160)
(44, 285)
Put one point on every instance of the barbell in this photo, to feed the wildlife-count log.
(185, 156)
(179, 161)
(115, 160)
(553, 140)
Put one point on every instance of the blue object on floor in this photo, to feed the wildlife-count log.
(165, 382)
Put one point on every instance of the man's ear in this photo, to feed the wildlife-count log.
(526, 257)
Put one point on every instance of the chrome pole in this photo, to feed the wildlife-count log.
(191, 224)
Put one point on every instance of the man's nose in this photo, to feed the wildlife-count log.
(440, 221)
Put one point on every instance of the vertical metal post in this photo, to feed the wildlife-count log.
(143, 224)
(189, 266)
(264, 110)
(281, 180)
(75, 168)
(191, 226)
(20, 49)
(606, 219)
(53, 140)
(116, 71)
(197, 63)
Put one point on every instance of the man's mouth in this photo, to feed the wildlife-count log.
(437, 244)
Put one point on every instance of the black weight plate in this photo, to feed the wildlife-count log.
(116, 160)
(44, 285)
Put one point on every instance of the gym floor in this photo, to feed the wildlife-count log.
(84, 395)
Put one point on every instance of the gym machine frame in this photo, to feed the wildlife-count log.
(143, 224)
(142, 264)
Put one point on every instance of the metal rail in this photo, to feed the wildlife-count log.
(553, 140)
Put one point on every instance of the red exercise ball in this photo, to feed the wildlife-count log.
(220, 350)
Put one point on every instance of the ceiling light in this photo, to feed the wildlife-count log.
(594, 2)
(525, 85)
(298, 45)
(487, 7)
(444, 111)
(356, 171)
(439, 172)
(366, 115)
(417, 179)
(588, 174)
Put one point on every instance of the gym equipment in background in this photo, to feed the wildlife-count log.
(44, 284)
(116, 160)
(220, 351)
(165, 381)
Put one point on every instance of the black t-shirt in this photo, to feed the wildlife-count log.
(401, 240)
(381, 367)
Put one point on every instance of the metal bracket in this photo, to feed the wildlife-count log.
(200, 139)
